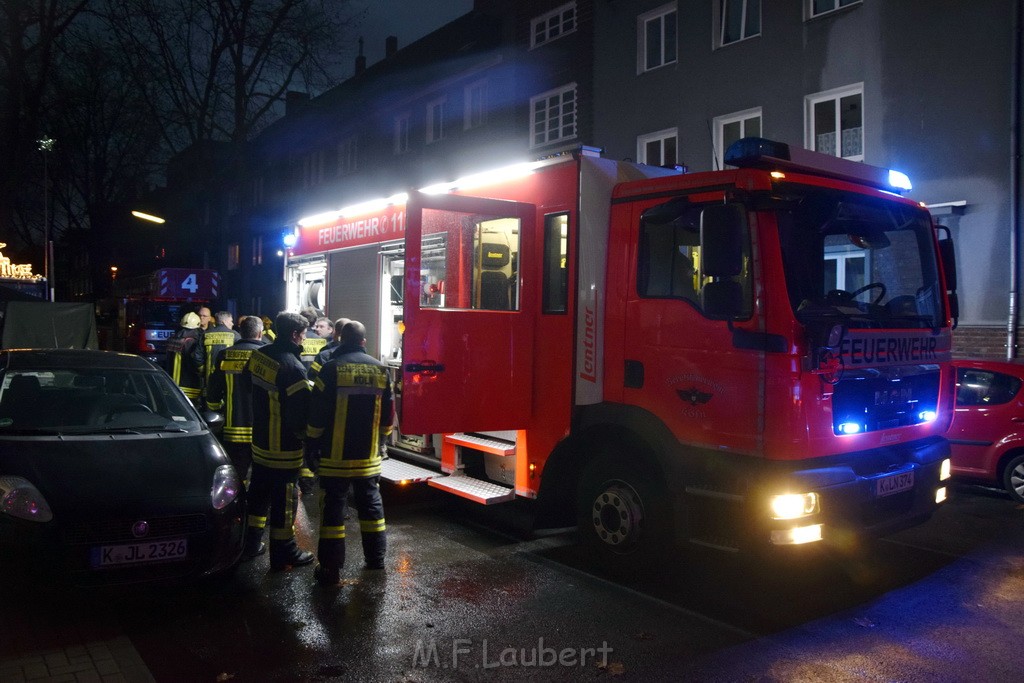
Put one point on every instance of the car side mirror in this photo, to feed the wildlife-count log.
(214, 421)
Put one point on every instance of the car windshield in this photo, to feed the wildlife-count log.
(92, 400)
(863, 261)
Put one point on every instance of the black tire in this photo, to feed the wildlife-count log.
(623, 510)
(1013, 478)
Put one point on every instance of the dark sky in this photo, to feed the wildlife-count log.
(407, 19)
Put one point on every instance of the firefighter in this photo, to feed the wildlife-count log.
(215, 340)
(230, 390)
(280, 398)
(326, 352)
(312, 345)
(184, 360)
(350, 410)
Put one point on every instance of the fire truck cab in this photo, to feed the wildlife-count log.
(738, 359)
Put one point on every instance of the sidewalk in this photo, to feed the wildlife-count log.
(109, 661)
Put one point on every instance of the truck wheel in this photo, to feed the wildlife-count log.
(623, 512)
(1013, 478)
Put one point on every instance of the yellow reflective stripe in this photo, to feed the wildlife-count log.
(334, 532)
(257, 522)
(274, 426)
(190, 392)
(281, 460)
(238, 431)
(302, 384)
(176, 369)
(214, 405)
(315, 367)
(340, 413)
(229, 398)
(368, 470)
(319, 383)
(282, 534)
(371, 525)
(314, 432)
(305, 472)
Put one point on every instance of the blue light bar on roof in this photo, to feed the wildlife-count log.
(778, 156)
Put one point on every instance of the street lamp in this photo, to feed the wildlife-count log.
(46, 144)
(148, 217)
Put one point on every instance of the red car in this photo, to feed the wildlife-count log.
(987, 434)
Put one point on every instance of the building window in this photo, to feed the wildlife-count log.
(658, 149)
(732, 127)
(554, 116)
(656, 38)
(815, 8)
(347, 156)
(435, 120)
(476, 104)
(257, 250)
(402, 134)
(234, 256)
(738, 20)
(835, 122)
(554, 24)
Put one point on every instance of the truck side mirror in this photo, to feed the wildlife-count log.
(723, 232)
(948, 256)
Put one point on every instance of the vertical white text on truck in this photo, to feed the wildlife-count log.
(740, 359)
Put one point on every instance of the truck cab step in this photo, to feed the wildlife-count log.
(471, 488)
(402, 472)
(481, 443)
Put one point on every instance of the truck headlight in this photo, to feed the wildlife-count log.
(794, 505)
(944, 470)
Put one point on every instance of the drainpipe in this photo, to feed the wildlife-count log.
(1015, 176)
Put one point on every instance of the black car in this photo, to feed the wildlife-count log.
(108, 474)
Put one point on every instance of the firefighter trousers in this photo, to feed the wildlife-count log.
(272, 504)
(370, 508)
(240, 455)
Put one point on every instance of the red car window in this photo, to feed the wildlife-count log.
(984, 388)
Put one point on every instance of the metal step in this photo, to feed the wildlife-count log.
(471, 488)
(481, 443)
(402, 472)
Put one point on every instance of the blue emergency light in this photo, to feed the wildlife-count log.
(289, 239)
(778, 156)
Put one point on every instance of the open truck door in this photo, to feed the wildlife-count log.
(468, 340)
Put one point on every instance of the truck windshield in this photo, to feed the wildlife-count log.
(864, 261)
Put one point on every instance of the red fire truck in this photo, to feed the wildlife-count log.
(738, 359)
(145, 311)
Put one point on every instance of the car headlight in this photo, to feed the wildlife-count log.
(19, 498)
(226, 486)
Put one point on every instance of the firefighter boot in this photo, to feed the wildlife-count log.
(286, 554)
(254, 545)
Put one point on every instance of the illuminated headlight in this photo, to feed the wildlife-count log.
(794, 505)
(945, 471)
(940, 495)
(849, 427)
(927, 416)
(797, 536)
(226, 486)
(19, 498)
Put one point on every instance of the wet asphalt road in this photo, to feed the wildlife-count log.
(467, 598)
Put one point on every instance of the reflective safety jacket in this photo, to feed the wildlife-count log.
(280, 398)
(184, 361)
(215, 340)
(321, 360)
(230, 390)
(350, 409)
(311, 346)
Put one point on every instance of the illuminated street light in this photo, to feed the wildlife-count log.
(148, 217)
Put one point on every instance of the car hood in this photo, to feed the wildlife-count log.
(113, 471)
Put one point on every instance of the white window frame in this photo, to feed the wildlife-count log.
(402, 125)
(836, 95)
(436, 115)
(658, 136)
(475, 112)
(234, 256)
(836, 6)
(720, 22)
(257, 250)
(741, 117)
(641, 37)
(553, 25)
(348, 155)
(555, 93)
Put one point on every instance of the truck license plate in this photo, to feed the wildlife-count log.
(133, 553)
(894, 484)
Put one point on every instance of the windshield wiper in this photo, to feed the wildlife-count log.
(30, 431)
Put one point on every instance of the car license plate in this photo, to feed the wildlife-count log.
(133, 553)
(894, 484)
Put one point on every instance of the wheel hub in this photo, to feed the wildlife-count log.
(618, 516)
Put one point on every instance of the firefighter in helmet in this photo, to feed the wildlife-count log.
(184, 360)
(351, 409)
(280, 398)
